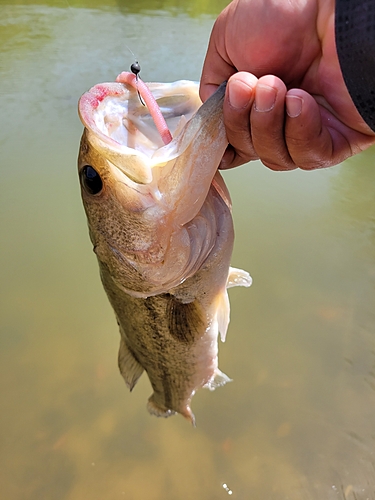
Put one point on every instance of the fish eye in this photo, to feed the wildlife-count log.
(91, 180)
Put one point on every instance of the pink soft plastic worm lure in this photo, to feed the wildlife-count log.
(145, 93)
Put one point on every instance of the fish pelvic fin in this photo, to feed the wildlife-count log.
(222, 315)
(158, 410)
(186, 321)
(129, 367)
(219, 378)
(238, 277)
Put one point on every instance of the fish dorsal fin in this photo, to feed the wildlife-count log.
(130, 369)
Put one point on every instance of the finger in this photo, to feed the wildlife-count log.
(229, 159)
(314, 137)
(217, 67)
(237, 106)
(215, 72)
(267, 124)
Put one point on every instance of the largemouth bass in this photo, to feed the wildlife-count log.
(160, 222)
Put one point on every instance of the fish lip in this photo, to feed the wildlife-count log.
(89, 103)
(91, 99)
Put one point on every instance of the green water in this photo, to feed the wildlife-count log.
(298, 420)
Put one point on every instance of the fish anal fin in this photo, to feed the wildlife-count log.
(217, 380)
(129, 367)
(238, 277)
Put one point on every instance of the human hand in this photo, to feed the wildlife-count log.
(286, 101)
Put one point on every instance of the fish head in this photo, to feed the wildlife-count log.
(115, 162)
(139, 193)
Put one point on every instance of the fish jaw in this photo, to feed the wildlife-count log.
(158, 235)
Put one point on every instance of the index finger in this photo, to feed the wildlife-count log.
(217, 67)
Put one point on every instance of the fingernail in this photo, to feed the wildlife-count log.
(293, 105)
(265, 98)
(239, 94)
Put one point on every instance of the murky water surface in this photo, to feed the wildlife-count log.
(298, 421)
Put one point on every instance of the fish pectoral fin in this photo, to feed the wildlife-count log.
(129, 367)
(186, 322)
(217, 380)
(238, 277)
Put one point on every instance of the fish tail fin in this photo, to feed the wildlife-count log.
(158, 410)
(129, 367)
(217, 380)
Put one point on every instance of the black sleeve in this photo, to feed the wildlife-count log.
(355, 42)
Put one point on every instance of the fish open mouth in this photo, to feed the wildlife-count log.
(116, 115)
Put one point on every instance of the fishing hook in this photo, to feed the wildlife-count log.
(135, 68)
